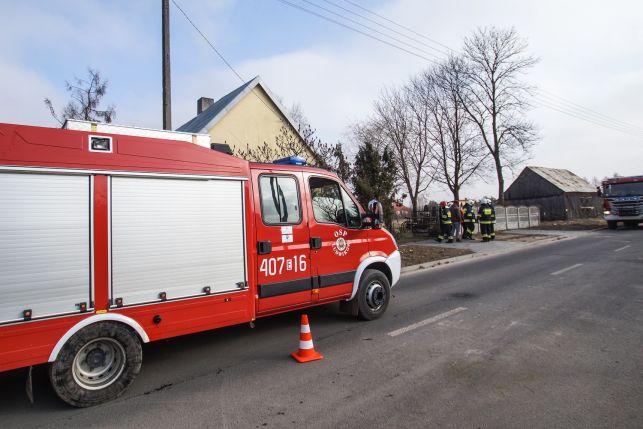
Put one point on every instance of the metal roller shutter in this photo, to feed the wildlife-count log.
(176, 236)
(44, 244)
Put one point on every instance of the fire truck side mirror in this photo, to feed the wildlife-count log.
(375, 211)
(369, 220)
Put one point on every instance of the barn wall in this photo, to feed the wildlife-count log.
(573, 205)
(582, 205)
(530, 185)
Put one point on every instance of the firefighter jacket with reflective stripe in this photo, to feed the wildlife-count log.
(445, 215)
(469, 214)
(486, 214)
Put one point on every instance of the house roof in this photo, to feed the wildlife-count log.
(202, 122)
(564, 180)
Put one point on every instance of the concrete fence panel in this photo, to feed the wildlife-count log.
(501, 218)
(523, 217)
(512, 218)
(534, 216)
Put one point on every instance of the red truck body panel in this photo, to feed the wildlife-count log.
(331, 273)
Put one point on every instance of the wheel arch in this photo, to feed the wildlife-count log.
(373, 262)
(107, 317)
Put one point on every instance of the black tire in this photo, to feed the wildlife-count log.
(373, 295)
(611, 224)
(96, 364)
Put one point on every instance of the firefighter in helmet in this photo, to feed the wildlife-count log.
(486, 215)
(446, 226)
(469, 220)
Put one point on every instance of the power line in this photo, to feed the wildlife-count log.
(399, 25)
(208, 41)
(223, 58)
(387, 27)
(574, 110)
(541, 103)
(586, 109)
(357, 30)
(558, 100)
(370, 28)
(562, 106)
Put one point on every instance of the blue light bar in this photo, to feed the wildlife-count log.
(290, 160)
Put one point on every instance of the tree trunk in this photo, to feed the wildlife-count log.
(414, 202)
(501, 183)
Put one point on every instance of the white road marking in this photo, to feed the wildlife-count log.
(622, 248)
(555, 273)
(426, 321)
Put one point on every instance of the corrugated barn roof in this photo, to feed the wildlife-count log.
(565, 180)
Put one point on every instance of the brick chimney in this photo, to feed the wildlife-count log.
(203, 103)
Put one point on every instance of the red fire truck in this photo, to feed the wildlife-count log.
(111, 237)
(623, 201)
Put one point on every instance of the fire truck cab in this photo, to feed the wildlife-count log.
(623, 201)
(111, 237)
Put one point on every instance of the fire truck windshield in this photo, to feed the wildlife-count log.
(624, 189)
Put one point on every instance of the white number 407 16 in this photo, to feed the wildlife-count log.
(276, 266)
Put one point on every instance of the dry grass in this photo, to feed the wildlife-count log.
(572, 225)
(413, 254)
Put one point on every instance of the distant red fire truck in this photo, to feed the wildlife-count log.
(623, 201)
(111, 237)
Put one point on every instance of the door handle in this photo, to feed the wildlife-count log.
(264, 247)
(315, 242)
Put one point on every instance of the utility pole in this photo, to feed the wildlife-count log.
(167, 90)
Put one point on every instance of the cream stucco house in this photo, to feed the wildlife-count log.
(248, 119)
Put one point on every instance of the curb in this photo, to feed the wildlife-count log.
(463, 258)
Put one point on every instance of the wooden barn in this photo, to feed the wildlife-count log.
(560, 194)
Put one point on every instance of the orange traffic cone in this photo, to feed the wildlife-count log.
(306, 352)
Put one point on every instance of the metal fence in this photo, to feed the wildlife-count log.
(510, 217)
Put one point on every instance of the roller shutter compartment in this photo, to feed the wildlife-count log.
(44, 244)
(175, 237)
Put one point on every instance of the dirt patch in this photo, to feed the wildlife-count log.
(572, 225)
(414, 255)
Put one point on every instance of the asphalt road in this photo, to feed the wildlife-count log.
(551, 336)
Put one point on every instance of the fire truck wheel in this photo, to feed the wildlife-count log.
(97, 364)
(611, 224)
(373, 295)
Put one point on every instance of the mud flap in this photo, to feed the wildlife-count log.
(349, 307)
(29, 384)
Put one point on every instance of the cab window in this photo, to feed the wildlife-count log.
(353, 217)
(279, 200)
(331, 204)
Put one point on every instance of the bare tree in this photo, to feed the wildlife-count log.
(449, 133)
(395, 126)
(288, 142)
(303, 142)
(86, 95)
(496, 97)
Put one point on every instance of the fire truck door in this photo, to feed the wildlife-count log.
(338, 244)
(283, 249)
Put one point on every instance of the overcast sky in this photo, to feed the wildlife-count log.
(591, 53)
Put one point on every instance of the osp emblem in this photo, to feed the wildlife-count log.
(341, 246)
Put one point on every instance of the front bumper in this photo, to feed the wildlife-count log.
(612, 217)
(394, 262)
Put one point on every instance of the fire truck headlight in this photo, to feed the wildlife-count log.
(607, 212)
